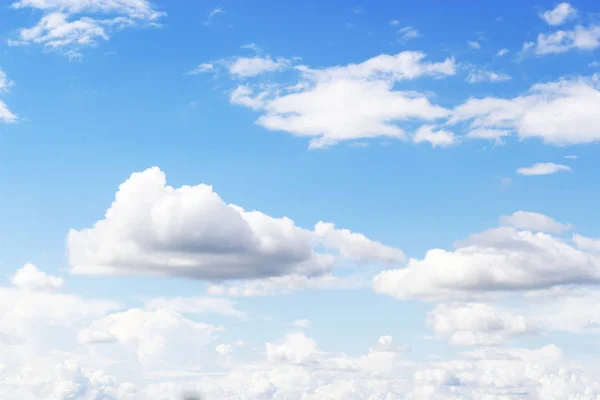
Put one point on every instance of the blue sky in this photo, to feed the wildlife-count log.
(424, 171)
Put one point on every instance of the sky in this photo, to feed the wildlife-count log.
(299, 200)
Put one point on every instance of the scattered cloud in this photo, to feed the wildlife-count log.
(560, 14)
(585, 38)
(533, 221)
(301, 323)
(477, 75)
(474, 45)
(540, 112)
(408, 32)
(543, 169)
(502, 52)
(252, 66)
(343, 103)
(68, 26)
(201, 69)
(571, 157)
(159, 338)
(478, 324)
(243, 67)
(31, 278)
(6, 116)
(439, 138)
(522, 260)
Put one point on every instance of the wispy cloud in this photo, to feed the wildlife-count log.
(543, 169)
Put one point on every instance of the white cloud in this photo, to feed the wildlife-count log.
(487, 133)
(5, 83)
(245, 67)
(522, 260)
(534, 222)
(474, 45)
(473, 324)
(282, 285)
(6, 116)
(195, 305)
(543, 169)
(571, 157)
(559, 113)
(201, 69)
(559, 15)
(224, 349)
(394, 22)
(441, 137)
(190, 231)
(351, 102)
(160, 339)
(581, 37)
(295, 348)
(477, 75)
(408, 32)
(70, 25)
(356, 246)
(301, 323)
(31, 278)
(588, 244)
(502, 52)
(594, 64)
(215, 11)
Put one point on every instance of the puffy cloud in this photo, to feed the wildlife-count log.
(29, 277)
(341, 110)
(160, 339)
(502, 52)
(543, 169)
(152, 228)
(588, 244)
(560, 14)
(70, 25)
(441, 137)
(297, 369)
(495, 261)
(559, 113)
(581, 38)
(356, 246)
(295, 348)
(195, 305)
(534, 222)
(188, 231)
(61, 381)
(473, 324)
(341, 103)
